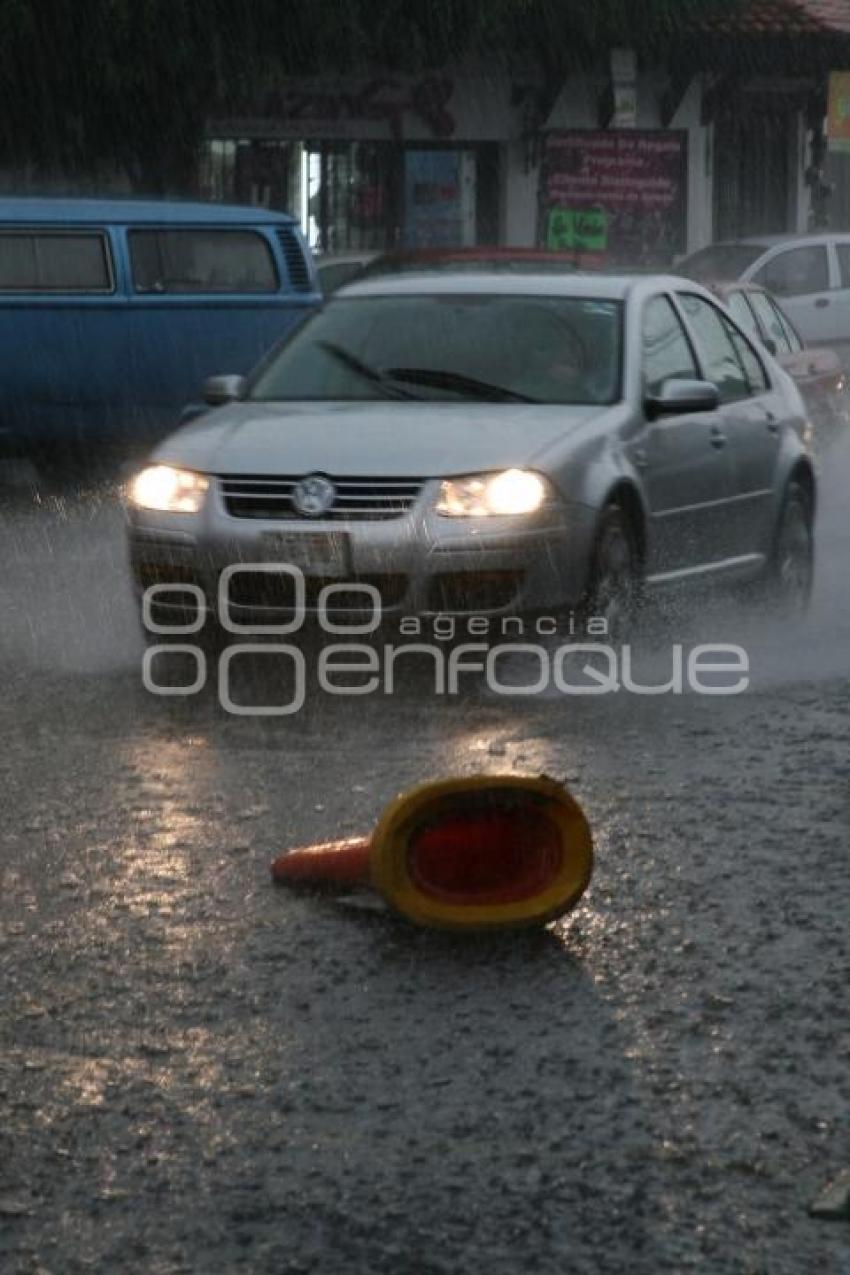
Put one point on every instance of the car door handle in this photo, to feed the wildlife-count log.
(772, 423)
(822, 302)
(639, 458)
(717, 437)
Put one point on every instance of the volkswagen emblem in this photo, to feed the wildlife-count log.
(313, 496)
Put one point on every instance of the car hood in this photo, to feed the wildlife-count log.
(423, 440)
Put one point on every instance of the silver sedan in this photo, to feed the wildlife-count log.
(485, 444)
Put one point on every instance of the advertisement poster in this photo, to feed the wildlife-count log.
(838, 112)
(439, 199)
(615, 197)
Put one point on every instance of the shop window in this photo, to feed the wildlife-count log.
(263, 173)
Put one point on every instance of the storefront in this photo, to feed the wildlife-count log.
(372, 164)
(475, 156)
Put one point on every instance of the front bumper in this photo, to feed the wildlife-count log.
(419, 563)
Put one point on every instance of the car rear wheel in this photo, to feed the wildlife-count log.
(790, 572)
(614, 583)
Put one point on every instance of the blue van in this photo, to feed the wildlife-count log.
(113, 312)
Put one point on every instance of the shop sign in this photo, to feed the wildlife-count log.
(615, 196)
(372, 108)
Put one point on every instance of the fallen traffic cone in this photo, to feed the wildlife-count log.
(476, 853)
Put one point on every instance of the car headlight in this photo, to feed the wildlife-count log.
(514, 491)
(175, 491)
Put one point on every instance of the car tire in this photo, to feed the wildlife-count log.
(790, 570)
(614, 577)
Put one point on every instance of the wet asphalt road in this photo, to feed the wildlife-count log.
(202, 1073)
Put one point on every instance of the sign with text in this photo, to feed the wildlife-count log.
(838, 112)
(381, 107)
(615, 197)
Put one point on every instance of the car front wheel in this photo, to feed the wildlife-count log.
(614, 584)
(790, 573)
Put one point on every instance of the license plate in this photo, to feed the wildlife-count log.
(316, 553)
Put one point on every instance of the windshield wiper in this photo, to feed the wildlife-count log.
(468, 386)
(372, 374)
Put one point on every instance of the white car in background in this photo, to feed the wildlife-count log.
(810, 274)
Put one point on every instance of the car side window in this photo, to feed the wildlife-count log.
(795, 272)
(843, 251)
(667, 353)
(716, 348)
(751, 363)
(771, 322)
(794, 342)
(739, 308)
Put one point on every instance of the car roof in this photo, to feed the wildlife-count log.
(479, 252)
(601, 286)
(722, 286)
(34, 210)
(771, 241)
(346, 258)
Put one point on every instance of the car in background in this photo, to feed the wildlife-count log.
(338, 269)
(335, 269)
(810, 274)
(817, 371)
(415, 260)
(486, 443)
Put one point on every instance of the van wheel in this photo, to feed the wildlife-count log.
(614, 582)
(791, 569)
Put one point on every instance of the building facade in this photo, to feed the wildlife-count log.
(629, 162)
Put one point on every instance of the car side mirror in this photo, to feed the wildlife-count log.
(223, 389)
(679, 396)
(770, 345)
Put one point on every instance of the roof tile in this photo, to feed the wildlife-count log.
(782, 17)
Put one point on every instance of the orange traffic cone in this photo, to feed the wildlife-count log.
(475, 853)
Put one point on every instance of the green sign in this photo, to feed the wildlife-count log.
(584, 229)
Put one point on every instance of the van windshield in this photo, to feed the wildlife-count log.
(484, 348)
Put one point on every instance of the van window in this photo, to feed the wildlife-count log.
(201, 261)
(54, 261)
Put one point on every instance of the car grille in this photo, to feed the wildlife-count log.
(354, 498)
(471, 591)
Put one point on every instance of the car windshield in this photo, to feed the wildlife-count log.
(720, 261)
(484, 348)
